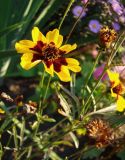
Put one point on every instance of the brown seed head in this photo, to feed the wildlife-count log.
(100, 131)
(107, 36)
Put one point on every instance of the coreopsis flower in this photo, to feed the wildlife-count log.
(50, 51)
(107, 36)
(117, 90)
(2, 111)
(94, 26)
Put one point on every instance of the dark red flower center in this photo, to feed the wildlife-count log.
(118, 89)
(50, 54)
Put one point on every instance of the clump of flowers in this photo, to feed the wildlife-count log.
(94, 26)
(107, 36)
(50, 51)
(117, 89)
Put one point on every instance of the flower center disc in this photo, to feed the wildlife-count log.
(46, 52)
(118, 89)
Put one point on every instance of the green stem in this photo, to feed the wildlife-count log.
(65, 14)
(77, 20)
(40, 104)
(42, 80)
(46, 89)
(99, 80)
(41, 86)
(72, 83)
(114, 53)
(91, 72)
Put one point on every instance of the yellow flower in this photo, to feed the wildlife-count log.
(117, 89)
(107, 36)
(50, 51)
(2, 111)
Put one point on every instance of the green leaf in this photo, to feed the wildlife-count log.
(54, 156)
(7, 54)
(63, 142)
(92, 153)
(75, 139)
(10, 28)
(48, 12)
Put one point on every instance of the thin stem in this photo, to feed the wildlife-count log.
(113, 55)
(41, 86)
(65, 14)
(92, 97)
(91, 72)
(52, 128)
(72, 83)
(93, 91)
(42, 80)
(115, 48)
(77, 20)
(40, 104)
(46, 89)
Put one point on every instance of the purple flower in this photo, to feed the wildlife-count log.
(123, 59)
(117, 6)
(116, 26)
(121, 69)
(94, 26)
(98, 72)
(77, 10)
(84, 1)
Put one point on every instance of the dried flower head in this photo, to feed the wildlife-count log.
(6, 97)
(100, 131)
(107, 36)
(31, 107)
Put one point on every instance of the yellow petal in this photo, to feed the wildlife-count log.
(74, 68)
(72, 61)
(73, 65)
(2, 111)
(64, 74)
(24, 46)
(68, 48)
(49, 70)
(53, 36)
(59, 41)
(37, 35)
(120, 104)
(26, 61)
(114, 77)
